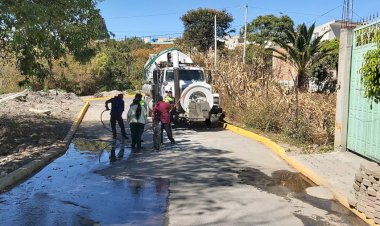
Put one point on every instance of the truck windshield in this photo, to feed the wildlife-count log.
(196, 75)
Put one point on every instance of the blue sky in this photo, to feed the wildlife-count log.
(144, 18)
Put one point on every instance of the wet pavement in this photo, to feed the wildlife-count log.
(291, 185)
(70, 192)
(209, 177)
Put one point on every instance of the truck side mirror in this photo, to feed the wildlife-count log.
(209, 77)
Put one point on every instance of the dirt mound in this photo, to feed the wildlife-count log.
(32, 121)
(111, 93)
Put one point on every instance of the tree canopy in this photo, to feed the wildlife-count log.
(268, 27)
(301, 50)
(36, 33)
(199, 27)
(322, 72)
(113, 67)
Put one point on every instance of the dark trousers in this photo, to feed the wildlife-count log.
(120, 121)
(168, 128)
(137, 129)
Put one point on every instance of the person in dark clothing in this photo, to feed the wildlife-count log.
(117, 108)
(163, 108)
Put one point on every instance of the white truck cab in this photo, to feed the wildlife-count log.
(195, 100)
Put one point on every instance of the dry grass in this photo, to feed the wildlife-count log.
(9, 78)
(252, 96)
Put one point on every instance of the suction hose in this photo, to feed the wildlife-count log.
(110, 130)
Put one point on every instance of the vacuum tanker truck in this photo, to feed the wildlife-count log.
(172, 70)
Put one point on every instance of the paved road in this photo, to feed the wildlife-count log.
(209, 177)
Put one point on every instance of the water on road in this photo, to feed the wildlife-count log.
(70, 192)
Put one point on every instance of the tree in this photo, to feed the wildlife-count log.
(301, 50)
(38, 33)
(370, 72)
(111, 66)
(268, 27)
(199, 27)
(322, 72)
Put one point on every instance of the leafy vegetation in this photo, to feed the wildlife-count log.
(301, 51)
(266, 28)
(38, 33)
(261, 103)
(199, 27)
(250, 93)
(322, 72)
(371, 73)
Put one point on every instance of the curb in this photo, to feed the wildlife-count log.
(338, 195)
(53, 153)
(106, 98)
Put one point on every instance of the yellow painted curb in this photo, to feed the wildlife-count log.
(338, 195)
(105, 98)
(76, 123)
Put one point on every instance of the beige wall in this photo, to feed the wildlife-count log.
(283, 71)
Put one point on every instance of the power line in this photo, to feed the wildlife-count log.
(289, 12)
(357, 15)
(220, 8)
(327, 12)
(172, 34)
(163, 14)
(140, 16)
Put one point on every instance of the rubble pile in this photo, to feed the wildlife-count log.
(366, 198)
(31, 121)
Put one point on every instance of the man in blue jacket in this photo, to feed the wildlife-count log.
(117, 108)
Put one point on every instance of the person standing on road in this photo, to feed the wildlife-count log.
(163, 109)
(137, 118)
(117, 109)
(170, 99)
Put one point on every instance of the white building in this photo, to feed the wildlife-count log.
(159, 40)
(231, 42)
(330, 30)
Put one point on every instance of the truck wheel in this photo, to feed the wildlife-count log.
(208, 122)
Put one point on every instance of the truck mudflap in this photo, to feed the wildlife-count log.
(216, 113)
(216, 110)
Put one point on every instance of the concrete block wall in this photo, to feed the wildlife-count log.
(366, 195)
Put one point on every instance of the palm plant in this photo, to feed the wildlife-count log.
(301, 50)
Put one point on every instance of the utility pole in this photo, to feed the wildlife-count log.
(245, 33)
(215, 47)
(348, 12)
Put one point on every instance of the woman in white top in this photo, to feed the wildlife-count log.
(137, 118)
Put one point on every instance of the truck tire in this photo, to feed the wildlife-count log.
(208, 122)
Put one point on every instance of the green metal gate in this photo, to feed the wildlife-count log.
(363, 122)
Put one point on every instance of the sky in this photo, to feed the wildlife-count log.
(148, 18)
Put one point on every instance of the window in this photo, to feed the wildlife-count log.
(186, 75)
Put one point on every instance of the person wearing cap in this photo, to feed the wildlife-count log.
(163, 109)
(169, 98)
(117, 108)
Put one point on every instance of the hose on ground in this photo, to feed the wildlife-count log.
(110, 130)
